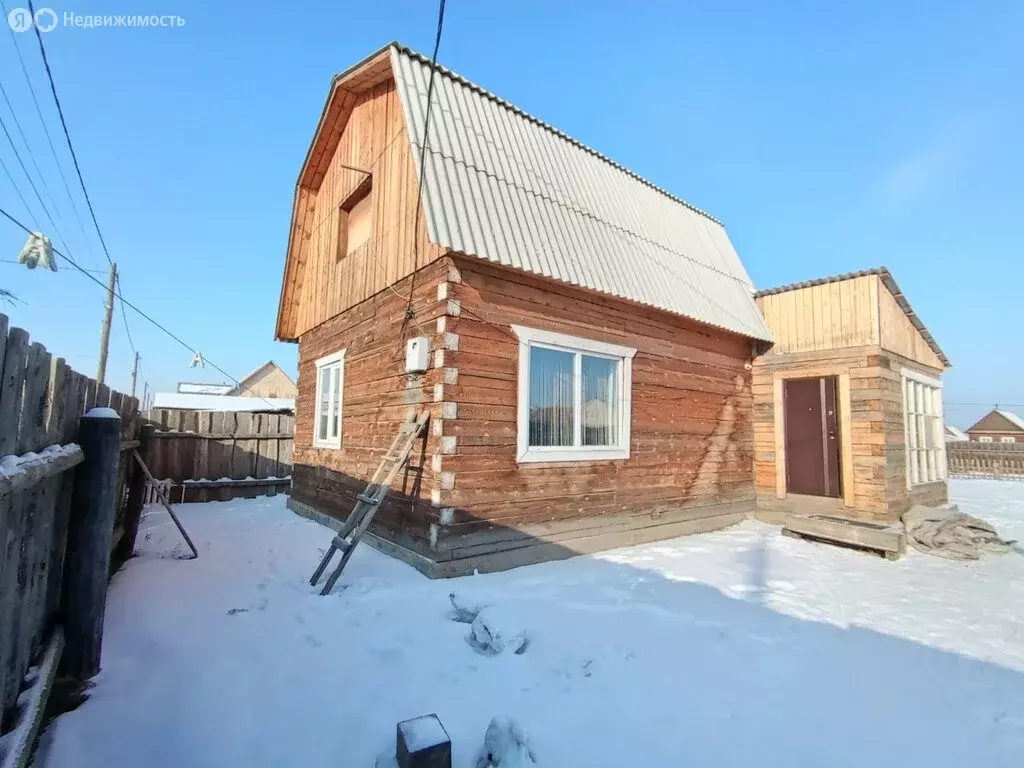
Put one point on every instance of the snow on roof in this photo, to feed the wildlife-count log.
(956, 433)
(1013, 418)
(195, 402)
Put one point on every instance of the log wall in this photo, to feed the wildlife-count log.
(873, 441)
(692, 439)
(377, 397)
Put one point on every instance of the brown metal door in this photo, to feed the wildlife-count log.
(812, 437)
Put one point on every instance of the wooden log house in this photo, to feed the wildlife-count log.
(847, 403)
(591, 336)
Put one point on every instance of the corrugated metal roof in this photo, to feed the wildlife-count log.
(501, 185)
(889, 282)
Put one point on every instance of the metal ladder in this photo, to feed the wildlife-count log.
(369, 501)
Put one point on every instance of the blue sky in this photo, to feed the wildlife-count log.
(827, 137)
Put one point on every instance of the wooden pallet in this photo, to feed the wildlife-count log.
(888, 541)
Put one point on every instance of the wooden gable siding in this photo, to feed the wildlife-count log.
(270, 381)
(823, 317)
(374, 139)
(899, 335)
(994, 423)
(691, 436)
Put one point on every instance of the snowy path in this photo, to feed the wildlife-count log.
(740, 647)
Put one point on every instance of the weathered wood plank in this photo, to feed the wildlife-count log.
(12, 389)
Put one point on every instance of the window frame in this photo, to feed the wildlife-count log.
(336, 359)
(362, 191)
(1007, 439)
(935, 459)
(985, 439)
(533, 337)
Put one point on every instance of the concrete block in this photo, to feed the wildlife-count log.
(423, 743)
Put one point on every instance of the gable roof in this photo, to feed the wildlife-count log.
(889, 282)
(998, 420)
(245, 380)
(1013, 418)
(502, 185)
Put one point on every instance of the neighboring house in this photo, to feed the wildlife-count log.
(998, 426)
(848, 402)
(591, 335)
(955, 435)
(269, 380)
(268, 388)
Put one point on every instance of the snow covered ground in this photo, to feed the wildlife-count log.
(740, 647)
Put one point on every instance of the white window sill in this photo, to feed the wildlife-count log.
(335, 444)
(535, 455)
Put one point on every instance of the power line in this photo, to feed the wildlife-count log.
(423, 158)
(67, 135)
(124, 316)
(17, 191)
(985, 405)
(78, 170)
(125, 302)
(17, 156)
(46, 132)
(15, 261)
(24, 140)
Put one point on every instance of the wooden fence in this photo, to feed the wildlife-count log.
(999, 460)
(43, 489)
(216, 456)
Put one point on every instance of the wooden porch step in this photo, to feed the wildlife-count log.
(888, 541)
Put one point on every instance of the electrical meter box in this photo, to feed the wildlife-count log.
(417, 355)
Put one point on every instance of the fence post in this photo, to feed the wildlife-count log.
(90, 536)
(136, 497)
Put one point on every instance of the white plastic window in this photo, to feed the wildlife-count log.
(330, 379)
(574, 398)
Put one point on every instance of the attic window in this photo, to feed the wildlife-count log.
(355, 219)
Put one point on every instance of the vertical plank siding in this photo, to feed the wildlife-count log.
(41, 400)
(216, 456)
(325, 282)
(829, 316)
(900, 336)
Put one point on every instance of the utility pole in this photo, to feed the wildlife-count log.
(135, 372)
(101, 371)
(145, 396)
